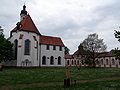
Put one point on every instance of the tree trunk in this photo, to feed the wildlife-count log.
(94, 64)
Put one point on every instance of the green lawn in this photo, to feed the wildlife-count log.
(52, 79)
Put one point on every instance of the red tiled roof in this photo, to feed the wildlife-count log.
(27, 24)
(51, 40)
(68, 56)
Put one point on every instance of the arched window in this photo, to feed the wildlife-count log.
(15, 48)
(106, 61)
(67, 62)
(51, 60)
(113, 61)
(77, 62)
(101, 61)
(72, 62)
(59, 60)
(27, 47)
(44, 60)
(119, 61)
(26, 63)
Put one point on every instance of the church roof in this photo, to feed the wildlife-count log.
(51, 40)
(26, 24)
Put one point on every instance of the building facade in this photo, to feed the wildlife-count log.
(32, 49)
(105, 59)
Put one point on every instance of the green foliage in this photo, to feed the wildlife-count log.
(117, 51)
(67, 50)
(93, 47)
(6, 51)
(117, 35)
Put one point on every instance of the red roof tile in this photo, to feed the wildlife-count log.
(68, 56)
(51, 40)
(27, 24)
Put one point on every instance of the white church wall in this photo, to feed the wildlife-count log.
(55, 53)
(33, 57)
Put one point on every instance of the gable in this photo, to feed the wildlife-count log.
(26, 24)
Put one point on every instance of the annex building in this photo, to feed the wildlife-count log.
(105, 59)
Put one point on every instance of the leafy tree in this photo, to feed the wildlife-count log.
(67, 50)
(6, 51)
(93, 46)
(117, 51)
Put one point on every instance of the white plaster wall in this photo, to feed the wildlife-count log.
(33, 51)
(55, 53)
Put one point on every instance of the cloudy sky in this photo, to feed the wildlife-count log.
(72, 20)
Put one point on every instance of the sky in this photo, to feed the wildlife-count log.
(72, 20)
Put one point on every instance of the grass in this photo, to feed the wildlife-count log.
(52, 78)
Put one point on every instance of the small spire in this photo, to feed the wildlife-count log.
(24, 7)
(23, 12)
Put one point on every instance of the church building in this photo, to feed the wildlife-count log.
(31, 48)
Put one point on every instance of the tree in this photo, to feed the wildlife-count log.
(67, 50)
(93, 46)
(6, 51)
(117, 51)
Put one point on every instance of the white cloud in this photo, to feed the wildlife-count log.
(72, 20)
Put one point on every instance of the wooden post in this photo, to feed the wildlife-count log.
(68, 72)
(67, 80)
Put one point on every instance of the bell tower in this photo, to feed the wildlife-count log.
(23, 13)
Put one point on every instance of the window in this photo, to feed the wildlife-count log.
(113, 61)
(54, 47)
(27, 47)
(15, 48)
(107, 61)
(119, 61)
(82, 62)
(101, 61)
(26, 63)
(67, 62)
(47, 47)
(59, 60)
(72, 62)
(44, 60)
(77, 62)
(51, 60)
(60, 48)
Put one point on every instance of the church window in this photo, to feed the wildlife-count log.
(54, 47)
(47, 47)
(51, 60)
(44, 60)
(59, 60)
(60, 48)
(27, 47)
(15, 48)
